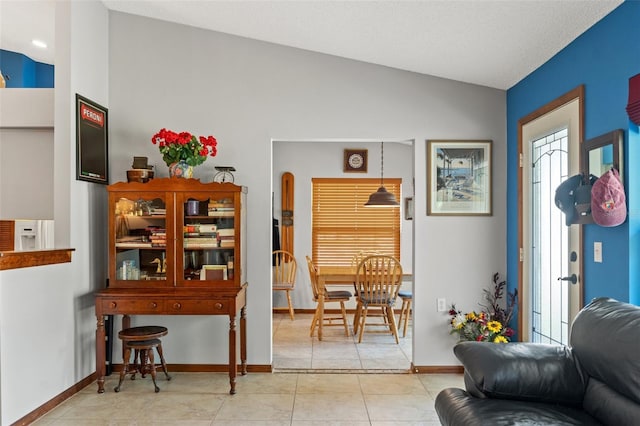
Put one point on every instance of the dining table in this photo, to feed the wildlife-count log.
(337, 275)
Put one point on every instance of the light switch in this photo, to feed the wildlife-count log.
(597, 251)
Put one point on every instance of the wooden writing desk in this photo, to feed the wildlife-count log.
(174, 301)
(335, 275)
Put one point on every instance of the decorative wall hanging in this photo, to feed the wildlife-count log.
(91, 141)
(355, 160)
(459, 177)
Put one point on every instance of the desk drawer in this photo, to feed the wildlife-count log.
(194, 307)
(132, 306)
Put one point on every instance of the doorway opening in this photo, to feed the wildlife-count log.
(292, 347)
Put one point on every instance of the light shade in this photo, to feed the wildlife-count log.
(382, 198)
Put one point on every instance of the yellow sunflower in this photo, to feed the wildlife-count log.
(500, 339)
(494, 326)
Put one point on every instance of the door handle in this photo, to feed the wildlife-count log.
(573, 279)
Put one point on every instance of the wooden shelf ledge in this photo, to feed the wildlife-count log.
(26, 259)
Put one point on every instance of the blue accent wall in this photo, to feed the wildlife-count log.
(602, 59)
(44, 75)
(24, 72)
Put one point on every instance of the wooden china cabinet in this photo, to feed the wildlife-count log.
(176, 247)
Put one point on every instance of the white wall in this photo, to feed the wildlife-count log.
(248, 93)
(26, 173)
(26, 154)
(47, 317)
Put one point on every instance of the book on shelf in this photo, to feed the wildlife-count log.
(208, 228)
(201, 245)
(227, 243)
(220, 204)
(216, 213)
(213, 272)
(133, 244)
(200, 240)
(226, 232)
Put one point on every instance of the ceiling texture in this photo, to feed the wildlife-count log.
(485, 42)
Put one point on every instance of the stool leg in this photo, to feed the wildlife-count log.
(125, 366)
(136, 362)
(152, 369)
(143, 362)
(164, 364)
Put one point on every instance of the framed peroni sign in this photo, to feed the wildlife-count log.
(91, 141)
(459, 178)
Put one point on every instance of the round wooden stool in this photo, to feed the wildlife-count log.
(142, 340)
(405, 310)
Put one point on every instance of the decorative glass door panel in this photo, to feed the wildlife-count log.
(206, 251)
(141, 254)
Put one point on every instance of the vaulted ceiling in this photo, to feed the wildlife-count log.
(485, 42)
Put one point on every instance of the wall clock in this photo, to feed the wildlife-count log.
(355, 160)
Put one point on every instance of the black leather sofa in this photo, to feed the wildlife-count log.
(595, 381)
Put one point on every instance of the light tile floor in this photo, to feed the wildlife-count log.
(365, 391)
(294, 350)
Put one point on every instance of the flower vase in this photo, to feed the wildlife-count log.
(181, 169)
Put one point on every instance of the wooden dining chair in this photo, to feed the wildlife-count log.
(379, 278)
(405, 310)
(284, 275)
(355, 261)
(334, 296)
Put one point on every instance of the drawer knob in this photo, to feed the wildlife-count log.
(218, 305)
(112, 305)
(154, 305)
(177, 305)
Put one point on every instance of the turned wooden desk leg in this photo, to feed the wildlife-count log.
(100, 353)
(232, 354)
(243, 340)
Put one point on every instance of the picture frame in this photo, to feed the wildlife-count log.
(92, 156)
(213, 272)
(459, 177)
(355, 160)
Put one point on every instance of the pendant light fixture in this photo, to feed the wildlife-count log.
(382, 198)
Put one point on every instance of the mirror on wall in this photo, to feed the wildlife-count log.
(602, 153)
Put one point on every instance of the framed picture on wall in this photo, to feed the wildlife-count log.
(459, 177)
(91, 141)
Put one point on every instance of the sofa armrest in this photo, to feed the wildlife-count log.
(522, 371)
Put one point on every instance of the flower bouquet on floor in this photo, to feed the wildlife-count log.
(490, 324)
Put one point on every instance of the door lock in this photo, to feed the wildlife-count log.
(573, 279)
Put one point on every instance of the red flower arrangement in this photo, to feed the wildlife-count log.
(184, 146)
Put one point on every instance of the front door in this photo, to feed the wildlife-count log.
(551, 251)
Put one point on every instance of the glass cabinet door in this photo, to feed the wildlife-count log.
(205, 249)
(140, 227)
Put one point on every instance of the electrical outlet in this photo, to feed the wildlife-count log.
(442, 304)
